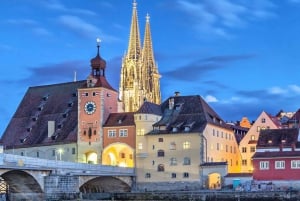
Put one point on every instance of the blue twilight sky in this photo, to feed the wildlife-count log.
(242, 56)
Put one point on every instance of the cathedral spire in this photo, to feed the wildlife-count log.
(149, 69)
(134, 47)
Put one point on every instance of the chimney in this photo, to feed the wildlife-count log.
(51, 128)
(177, 93)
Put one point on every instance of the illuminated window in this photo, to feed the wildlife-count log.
(186, 145)
(279, 164)
(252, 137)
(111, 133)
(140, 146)
(123, 133)
(264, 165)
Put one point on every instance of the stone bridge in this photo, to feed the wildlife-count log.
(26, 175)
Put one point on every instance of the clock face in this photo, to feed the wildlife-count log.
(90, 107)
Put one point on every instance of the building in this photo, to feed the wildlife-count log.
(247, 144)
(64, 121)
(139, 73)
(277, 157)
(181, 141)
(184, 142)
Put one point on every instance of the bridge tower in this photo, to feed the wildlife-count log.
(96, 100)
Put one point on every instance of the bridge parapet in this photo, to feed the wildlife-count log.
(61, 167)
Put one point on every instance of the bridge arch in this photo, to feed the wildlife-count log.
(20, 181)
(104, 184)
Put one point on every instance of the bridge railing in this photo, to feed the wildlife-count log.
(38, 163)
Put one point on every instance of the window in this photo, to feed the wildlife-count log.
(173, 161)
(111, 133)
(244, 149)
(186, 145)
(140, 146)
(53, 152)
(160, 153)
(213, 132)
(123, 133)
(264, 165)
(252, 137)
(252, 149)
(186, 161)
(22, 153)
(147, 175)
(295, 164)
(185, 175)
(173, 175)
(122, 155)
(226, 148)
(218, 146)
(279, 164)
(172, 146)
(73, 150)
(244, 162)
(160, 168)
(263, 120)
(258, 128)
(37, 154)
(160, 139)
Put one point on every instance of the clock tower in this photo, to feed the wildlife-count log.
(96, 100)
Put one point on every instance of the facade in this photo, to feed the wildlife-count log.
(247, 145)
(277, 157)
(139, 73)
(119, 140)
(183, 142)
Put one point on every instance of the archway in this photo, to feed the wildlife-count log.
(91, 157)
(214, 181)
(118, 154)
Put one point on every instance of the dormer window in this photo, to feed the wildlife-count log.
(283, 141)
(119, 121)
(174, 129)
(70, 104)
(270, 141)
(34, 118)
(28, 129)
(187, 129)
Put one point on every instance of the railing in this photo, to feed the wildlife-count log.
(84, 168)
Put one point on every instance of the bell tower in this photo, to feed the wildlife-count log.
(96, 100)
(139, 79)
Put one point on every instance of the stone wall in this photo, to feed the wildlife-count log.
(168, 186)
(61, 186)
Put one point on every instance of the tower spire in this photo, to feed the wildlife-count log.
(134, 47)
(149, 68)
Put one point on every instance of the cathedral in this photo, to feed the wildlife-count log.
(180, 140)
(139, 73)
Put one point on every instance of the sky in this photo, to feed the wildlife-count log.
(241, 56)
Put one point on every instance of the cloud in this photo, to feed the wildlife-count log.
(210, 99)
(83, 28)
(30, 24)
(58, 6)
(294, 88)
(220, 17)
(277, 91)
(198, 68)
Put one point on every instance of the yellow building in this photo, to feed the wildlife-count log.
(185, 143)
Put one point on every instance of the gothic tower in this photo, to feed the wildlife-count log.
(139, 74)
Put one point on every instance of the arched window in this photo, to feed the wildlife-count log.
(160, 168)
